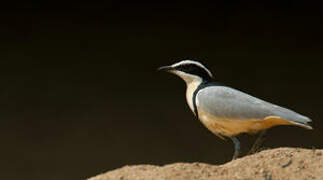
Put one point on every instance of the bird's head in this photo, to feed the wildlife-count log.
(189, 71)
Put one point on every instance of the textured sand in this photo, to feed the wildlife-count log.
(274, 164)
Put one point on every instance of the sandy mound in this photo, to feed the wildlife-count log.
(274, 164)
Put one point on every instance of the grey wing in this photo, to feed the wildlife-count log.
(226, 102)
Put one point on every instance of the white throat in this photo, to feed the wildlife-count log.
(192, 82)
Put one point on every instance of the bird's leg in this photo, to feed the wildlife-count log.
(258, 142)
(236, 147)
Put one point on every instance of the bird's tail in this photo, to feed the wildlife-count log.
(302, 121)
(293, 117)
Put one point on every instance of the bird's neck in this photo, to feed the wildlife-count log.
(192, 83)
(191, 86)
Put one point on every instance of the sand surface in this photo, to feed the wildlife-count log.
(273, 164)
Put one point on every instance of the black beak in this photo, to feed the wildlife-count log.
(165, 68)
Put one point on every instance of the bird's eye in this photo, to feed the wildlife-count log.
(194, 70)
(187, 68)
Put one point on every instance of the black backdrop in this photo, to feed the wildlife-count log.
(80, 95)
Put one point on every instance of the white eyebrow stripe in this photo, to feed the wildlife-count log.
(192, 62)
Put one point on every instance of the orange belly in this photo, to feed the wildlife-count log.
(231, 127)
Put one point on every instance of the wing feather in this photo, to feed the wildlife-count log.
(226, 102)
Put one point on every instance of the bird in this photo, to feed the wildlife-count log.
(228, 112)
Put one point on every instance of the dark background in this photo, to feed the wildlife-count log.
(80, 95)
